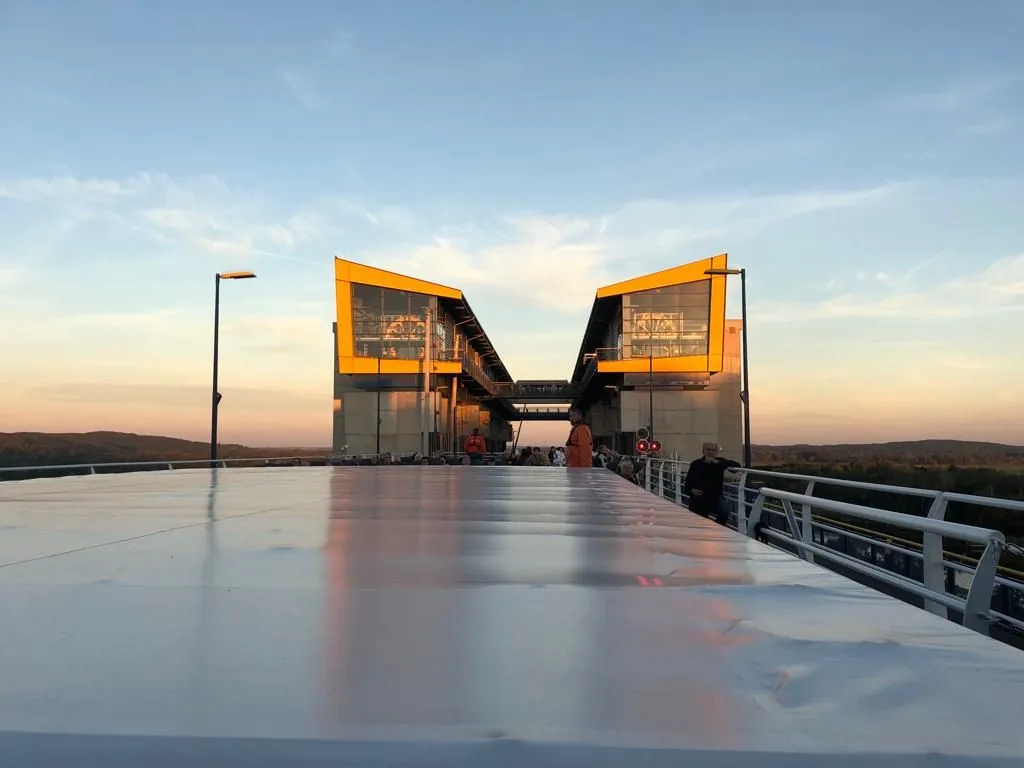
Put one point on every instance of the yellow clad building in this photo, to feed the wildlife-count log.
(657, 354)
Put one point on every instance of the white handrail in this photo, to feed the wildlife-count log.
(976, 608)
(882, 487)
(959, 531)
(170, 463)
(932, 555)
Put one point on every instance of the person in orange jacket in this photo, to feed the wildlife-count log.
(579, 447)
(475, 447)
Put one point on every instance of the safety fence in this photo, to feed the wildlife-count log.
(909, 556)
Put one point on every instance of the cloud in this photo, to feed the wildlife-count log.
(68, 188)
(200, 230)
(556, 262)
(962, 94)
(179, 395)
(339, 43)
(665, 225)
(303, 88)
(280, 334)
(551, 263)
(201, 212)
(1004, 277)
(12, 275)
(131, 320)
(999, 288)
(388, 217)
(304, 82)
(977, 106)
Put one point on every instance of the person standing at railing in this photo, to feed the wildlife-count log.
(705, 483)
(580, 444)
(475, 447)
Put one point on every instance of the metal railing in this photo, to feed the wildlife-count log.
(975, 608)
(814, 528)
(96, 468)
(115, 467)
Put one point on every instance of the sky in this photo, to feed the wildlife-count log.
(863, 161)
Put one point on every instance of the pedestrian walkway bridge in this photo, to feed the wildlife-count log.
(457, 616)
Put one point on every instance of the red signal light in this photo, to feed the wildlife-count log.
(655, 446)
(641, 446)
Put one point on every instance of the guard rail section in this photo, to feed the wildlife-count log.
(860, 538)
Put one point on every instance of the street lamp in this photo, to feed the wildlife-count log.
(216, 349)
(745, 394)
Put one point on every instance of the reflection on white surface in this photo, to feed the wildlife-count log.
(462, 603)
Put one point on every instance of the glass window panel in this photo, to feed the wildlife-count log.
(366, 297)
(390, 324)
(640, 300)
(667, 322)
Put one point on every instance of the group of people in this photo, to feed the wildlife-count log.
(578, 452)
(704, 483)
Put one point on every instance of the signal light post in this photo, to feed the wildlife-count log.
(644, 447)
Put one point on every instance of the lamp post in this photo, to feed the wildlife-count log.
(216, 351)
(745, 394)
(378, 401)
(428, 341)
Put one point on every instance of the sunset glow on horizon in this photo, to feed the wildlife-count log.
(872, 192)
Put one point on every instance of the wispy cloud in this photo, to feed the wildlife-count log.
(177, 395)
(280, 334)
(305, 82)
(551, 263)
(339, 43)
(131, 320)
(555, 262)
(201, 213)
(999, 288)
(959, 95)
(11, 275)
(68, 188)
(978, 106)
(303, 88)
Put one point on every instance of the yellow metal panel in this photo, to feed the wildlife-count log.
(684, 273)
(368, 365)
(716, 318)
(343, 299)
(352, 272)
(688, 364)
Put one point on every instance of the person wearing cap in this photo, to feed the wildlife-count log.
(705, 483)
(580, 444)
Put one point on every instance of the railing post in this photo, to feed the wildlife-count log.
(787, 506)
(680, 479)
(741, 503)
(92, 470)
(661, 479)
(807, 522)
(979, 596)
(933, 563)
(755, 516)
(647, 473)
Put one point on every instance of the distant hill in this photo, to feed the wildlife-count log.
(19, 449)
(41, 448)
(961, 453)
